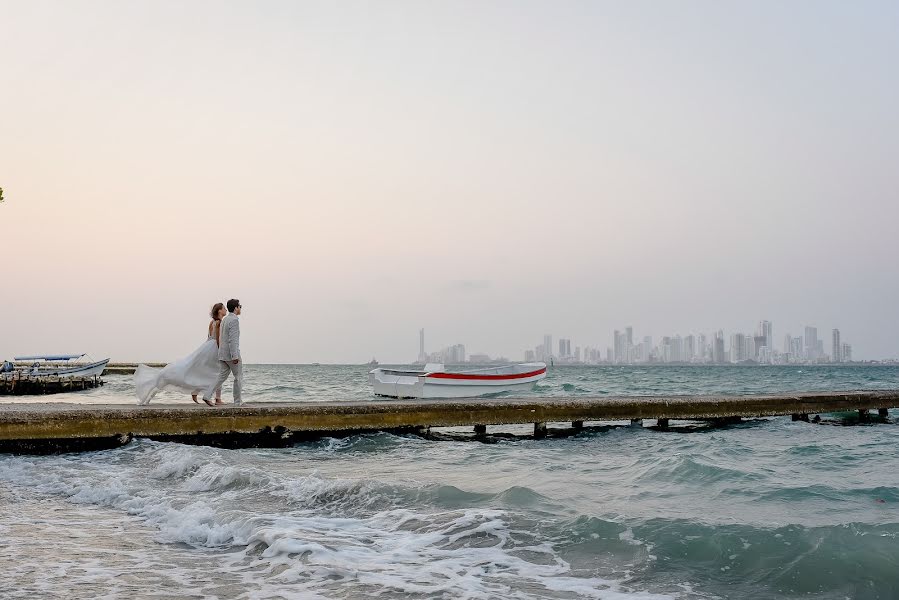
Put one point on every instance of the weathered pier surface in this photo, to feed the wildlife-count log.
(43, 427)
(32, 385)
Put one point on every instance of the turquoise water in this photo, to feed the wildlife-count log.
(765, 509)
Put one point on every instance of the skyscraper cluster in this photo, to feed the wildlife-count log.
(755, 347)
(454, 354)
(449, 355)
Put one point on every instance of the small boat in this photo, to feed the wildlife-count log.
(435, 382)
(44, 365)
(373, 362)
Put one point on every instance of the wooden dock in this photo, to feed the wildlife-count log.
(36, 385)
(48, 427)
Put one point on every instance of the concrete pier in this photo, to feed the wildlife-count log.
(25, 426)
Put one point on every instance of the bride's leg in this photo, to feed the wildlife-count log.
(194, 398)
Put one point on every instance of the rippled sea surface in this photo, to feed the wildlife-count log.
(765, 509)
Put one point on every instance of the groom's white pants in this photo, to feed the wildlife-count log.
(225, 369)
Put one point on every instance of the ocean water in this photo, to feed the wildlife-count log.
(308, 383)
(764, 509)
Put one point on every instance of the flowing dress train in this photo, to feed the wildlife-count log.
(192, 374)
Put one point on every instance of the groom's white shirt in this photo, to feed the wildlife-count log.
(229, 338)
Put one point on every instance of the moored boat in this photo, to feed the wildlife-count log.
(59, 365)
(436, 382)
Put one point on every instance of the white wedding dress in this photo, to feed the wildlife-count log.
(193, 374)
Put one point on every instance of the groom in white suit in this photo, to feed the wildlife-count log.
(229, 353)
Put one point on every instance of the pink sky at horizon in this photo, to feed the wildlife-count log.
(490, 172)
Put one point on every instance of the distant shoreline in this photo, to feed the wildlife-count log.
(125, 368)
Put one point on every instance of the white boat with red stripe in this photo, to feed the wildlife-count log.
(434, 381)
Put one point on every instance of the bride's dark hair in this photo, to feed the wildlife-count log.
(214, 313)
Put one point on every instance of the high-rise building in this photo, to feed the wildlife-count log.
(529, 356)
(702, 351)
(647, 349)
(665, 349)
(623, 346)
(677, 349)
(836, 348)
(689, 348)
(737, 347)
(564, 348)
(846, 352)
(755, 343)
(422, 356)
(811, 343)
(616, 345)
(796, 349)
(718, 354)
(454, 354)
(765, 332)
(547, 346)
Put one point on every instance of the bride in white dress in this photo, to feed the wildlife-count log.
(191, 374)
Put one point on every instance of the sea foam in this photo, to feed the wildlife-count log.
(308, 534)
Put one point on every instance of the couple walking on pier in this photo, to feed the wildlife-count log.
(206, 368)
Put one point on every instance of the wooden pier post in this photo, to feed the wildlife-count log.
(863, 414)
(636, 422)
(883, 413)
(480, 430)
(539, 430)
(577, 425)
(662, 423)
(800, 417)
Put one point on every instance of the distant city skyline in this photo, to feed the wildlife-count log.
(716, 347)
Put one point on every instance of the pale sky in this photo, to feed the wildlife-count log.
(490, 171)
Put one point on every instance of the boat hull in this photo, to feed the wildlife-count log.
(88, 370)
(433, 385)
